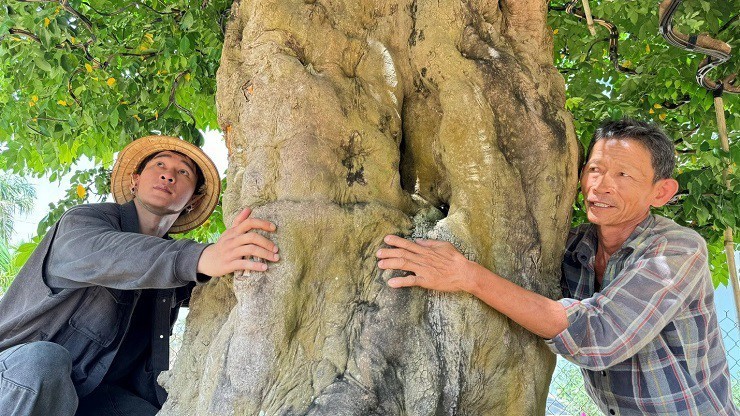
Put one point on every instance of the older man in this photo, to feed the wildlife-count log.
(84, 328)
(638, 314)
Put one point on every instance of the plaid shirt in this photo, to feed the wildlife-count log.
(648, 342)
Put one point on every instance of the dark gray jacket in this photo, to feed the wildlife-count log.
(81, 285)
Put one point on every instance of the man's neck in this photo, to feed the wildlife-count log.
(151, 223)
(611, 238)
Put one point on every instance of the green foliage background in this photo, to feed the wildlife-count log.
(84, 78)
(665, 78)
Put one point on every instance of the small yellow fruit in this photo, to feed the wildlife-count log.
(81, 191)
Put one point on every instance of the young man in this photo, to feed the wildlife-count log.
(84, 328)
(638, 314)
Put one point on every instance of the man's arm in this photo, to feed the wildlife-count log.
(88, 250)
(666, 279)
(595, 333)
(437, 265)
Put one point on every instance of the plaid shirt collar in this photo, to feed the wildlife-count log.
(584, 251)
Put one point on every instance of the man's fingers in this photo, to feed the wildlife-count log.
(396, 241)
(255, 251)
(397, 263)
(249, 265)
(388, 253)
(405, 281)
(255, 239)
(255, 224)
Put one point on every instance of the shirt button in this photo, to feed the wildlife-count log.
(612, 412)
(603, 373)
(162, 336)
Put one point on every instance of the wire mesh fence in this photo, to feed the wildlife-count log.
(567, 396)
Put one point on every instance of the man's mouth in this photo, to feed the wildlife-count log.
(163, 188)
(599, 204)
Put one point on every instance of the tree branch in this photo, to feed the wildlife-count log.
(65, 5)
(594, 43)
(51, 119)
(729, 23)
(28, 124)
(142, 55)
(16, 31)
(674, 105)
(69, 86)
(173, 101)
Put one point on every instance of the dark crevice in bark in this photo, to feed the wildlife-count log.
(556, 125)
(353, 159)
(413, 9)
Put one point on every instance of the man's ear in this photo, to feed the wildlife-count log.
(134, 180)
(665, 189)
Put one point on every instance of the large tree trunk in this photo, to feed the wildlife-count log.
(350, 119)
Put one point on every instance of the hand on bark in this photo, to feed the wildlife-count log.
(237, 245)
(434, 264)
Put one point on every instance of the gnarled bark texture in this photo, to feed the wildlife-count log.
(350, 119)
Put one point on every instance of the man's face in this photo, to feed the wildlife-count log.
(167, 182)
(617, 183)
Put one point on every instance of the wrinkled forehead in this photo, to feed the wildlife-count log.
(622, 153)
(619, 147)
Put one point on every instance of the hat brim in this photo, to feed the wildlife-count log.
(135, 152)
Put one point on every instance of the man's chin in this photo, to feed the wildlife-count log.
(159, 208)
(594, 219)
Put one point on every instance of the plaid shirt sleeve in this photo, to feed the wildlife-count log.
(635, 306)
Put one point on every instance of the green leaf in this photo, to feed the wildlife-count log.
(184, 45)
(113, 118)
(41, 63)
(187, 21)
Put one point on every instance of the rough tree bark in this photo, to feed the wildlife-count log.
(350, 119)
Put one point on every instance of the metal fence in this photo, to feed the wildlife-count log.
(567, 395)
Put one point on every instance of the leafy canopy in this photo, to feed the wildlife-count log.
(85, 77)
(662, 89)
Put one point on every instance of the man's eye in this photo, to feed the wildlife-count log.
(160, 164)
(624, 174)
(184, 172)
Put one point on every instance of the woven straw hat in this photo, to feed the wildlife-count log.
(135, 152)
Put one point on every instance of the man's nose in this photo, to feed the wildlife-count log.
(167, 177)
(603, 184)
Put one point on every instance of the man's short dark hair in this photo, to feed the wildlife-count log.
(660, 146)
(200, 178)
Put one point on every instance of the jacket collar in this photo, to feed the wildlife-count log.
(129, 218)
